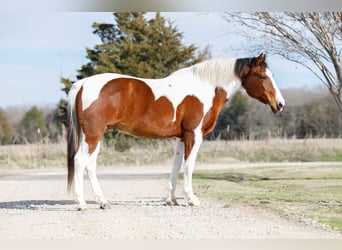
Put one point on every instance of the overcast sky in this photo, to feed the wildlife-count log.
(37, 49)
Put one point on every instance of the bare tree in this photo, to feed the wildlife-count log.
(299, 37)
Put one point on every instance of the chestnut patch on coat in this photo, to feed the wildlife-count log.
(129, 105)
(210, 118)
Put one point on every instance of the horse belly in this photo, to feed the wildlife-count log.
(152, 120)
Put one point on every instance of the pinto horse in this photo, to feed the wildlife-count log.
(185, 105)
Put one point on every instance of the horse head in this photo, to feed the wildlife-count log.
(258, 81)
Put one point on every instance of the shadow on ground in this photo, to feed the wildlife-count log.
(33, 204)
(71, 205)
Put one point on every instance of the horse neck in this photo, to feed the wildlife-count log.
(232, 88)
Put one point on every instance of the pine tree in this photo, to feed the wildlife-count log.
(138, 47)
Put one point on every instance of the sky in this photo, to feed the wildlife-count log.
(38, 48)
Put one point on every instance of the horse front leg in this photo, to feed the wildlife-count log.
(192, 145)
(177, 164)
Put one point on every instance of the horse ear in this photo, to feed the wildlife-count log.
(260, 59)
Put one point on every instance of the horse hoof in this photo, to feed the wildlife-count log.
(194, 202)
(105, 205)
(171, 202)
(82, 208)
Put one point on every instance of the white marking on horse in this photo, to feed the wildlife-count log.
(279, 97)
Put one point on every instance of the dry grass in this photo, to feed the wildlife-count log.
(32, 156)
(275, 150)
(160, 152)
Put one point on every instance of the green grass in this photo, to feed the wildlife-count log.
(331, 156)
(296, 192)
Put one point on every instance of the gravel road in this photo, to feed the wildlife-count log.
(35, 205)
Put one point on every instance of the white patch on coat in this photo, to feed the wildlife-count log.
(199, 80)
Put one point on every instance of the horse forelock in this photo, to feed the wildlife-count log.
(241, 63)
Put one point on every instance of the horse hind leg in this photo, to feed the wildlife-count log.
(91, 170)
(86, 161)
(81, 160)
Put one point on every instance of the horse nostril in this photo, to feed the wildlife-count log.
(280, 105)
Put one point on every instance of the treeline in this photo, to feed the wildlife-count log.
(307, 115)
(33, 125)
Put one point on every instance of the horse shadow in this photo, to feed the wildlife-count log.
(53, 205)
(34, 204)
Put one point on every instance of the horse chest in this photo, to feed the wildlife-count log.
(210, 118)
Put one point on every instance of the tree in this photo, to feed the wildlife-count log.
(229, 124)
(54, 125)
(139, 47)
(6, 131)
(302, 38)
(33, 127)
(317, 119)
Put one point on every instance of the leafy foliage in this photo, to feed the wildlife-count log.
(229, 123)
(33, 126)
(6, 131)
(245, 118)
(54, 124)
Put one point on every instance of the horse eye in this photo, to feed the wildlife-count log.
(262, 77)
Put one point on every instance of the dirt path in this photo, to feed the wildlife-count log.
(36, 205)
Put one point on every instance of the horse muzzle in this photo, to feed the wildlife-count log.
(279, 107)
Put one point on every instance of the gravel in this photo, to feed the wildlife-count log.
(35, 205)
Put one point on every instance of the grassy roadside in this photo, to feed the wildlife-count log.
(160, 152)
(274, 150)
(297, 192)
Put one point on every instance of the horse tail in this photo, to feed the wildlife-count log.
(73, 132)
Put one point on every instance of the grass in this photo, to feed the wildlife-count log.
(275, 150)
(32, 156)
(150, 152)
(298, 192)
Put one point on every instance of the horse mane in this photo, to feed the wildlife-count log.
(222, 70)
(215, 71)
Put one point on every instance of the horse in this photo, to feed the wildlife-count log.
(184, 105)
